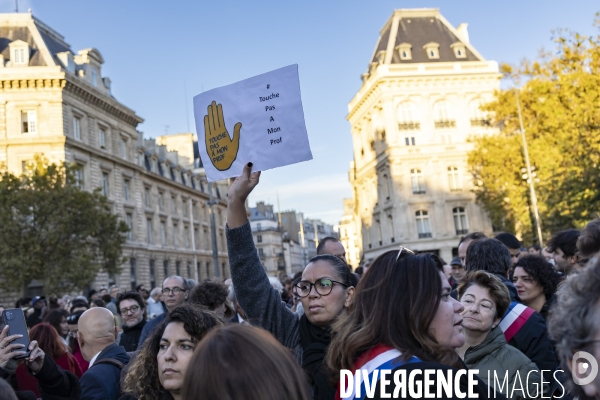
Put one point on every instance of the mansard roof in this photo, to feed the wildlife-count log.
(44, 42)
(419, 27)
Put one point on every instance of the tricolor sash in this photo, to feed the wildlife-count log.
(514, 319)
(380, 357)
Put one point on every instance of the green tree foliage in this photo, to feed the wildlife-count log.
(560, 101)
(54, 232)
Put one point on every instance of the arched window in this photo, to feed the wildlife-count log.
(408, 118)
(423, 227)
(417, 181)
(460, 220)
(477, 116)
(443, 115)
(454, 179)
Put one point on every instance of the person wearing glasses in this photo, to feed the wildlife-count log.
(574, 325)
(175, 291)
(132, 309)
(325, 289)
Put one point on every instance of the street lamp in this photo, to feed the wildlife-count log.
(213, 229)
(530, 176)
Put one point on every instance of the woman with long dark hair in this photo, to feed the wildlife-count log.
(402, 318)
(326, 289)
(58, 320)
(158, 370)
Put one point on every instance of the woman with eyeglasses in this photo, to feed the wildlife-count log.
(326, 289)
(402, 320)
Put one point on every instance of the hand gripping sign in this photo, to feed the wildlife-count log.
(258, 120)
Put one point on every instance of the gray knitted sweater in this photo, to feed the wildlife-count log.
(259, 300)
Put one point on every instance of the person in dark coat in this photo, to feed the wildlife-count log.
(37, 316)
(175, 292)
(97, 336)
(132, 309)
(54, 382)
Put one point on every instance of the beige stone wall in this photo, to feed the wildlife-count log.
(382, 172)
(59, 97)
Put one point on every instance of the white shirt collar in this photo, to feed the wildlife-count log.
(93, 360)
(242, 320)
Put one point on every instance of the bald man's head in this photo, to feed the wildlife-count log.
(96, 330)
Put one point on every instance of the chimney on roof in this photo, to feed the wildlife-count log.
(463, 34)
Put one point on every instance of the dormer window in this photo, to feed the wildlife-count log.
(94, 76)
(459, 50)
(19, 53)
(433, 50)
(404, 49)
(380, 57)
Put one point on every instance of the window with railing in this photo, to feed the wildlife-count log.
(417, 181)
(477, 115)
(443, 115)
(454, 179)
(460, 220)
(423, 227)
(408, 118)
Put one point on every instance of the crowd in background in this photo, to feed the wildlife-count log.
(497, 307)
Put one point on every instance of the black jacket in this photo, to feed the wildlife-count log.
(54, 383)
(149, 327)
(131, 336)
(101, 381)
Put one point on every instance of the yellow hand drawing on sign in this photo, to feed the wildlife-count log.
(221, 149)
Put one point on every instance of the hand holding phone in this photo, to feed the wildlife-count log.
(8, 349)
(14, 334)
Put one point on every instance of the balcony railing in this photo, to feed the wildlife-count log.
(409, 126)
(421, 191)
(461, 232)
(480, 122)
(424, 235)
(445, 124)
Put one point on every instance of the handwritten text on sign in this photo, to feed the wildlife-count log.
(258, 120)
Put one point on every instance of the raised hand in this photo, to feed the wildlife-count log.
(36, 357)
(221, 149)
(9, 351)
(237, 195)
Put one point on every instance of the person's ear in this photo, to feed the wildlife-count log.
(80, 339)
(496, 322)
(349, 296)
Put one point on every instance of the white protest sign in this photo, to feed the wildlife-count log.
(258, 120)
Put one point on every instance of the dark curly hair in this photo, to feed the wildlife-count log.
(142, 380)
(542, 272)
(209, 294)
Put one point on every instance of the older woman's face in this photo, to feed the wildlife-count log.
(479, 312)
(528, 289)
(323, 310)
(446, 324)
(176, 350)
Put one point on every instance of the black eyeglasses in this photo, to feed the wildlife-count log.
(404, 251)
(132, 309)
(176, 290)
(323, 286)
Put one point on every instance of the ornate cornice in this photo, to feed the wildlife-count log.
(32, 83)
(91, 98)
(87, 95)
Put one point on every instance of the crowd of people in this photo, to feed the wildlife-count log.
(509, 314)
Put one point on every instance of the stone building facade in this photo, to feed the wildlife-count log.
(410, 123)
(56, 102)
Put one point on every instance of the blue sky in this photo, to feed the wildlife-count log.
(157, 51)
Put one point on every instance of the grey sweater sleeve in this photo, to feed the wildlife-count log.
(259, 300)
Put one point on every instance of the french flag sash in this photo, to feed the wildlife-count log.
(514, 319)
(380, 357)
